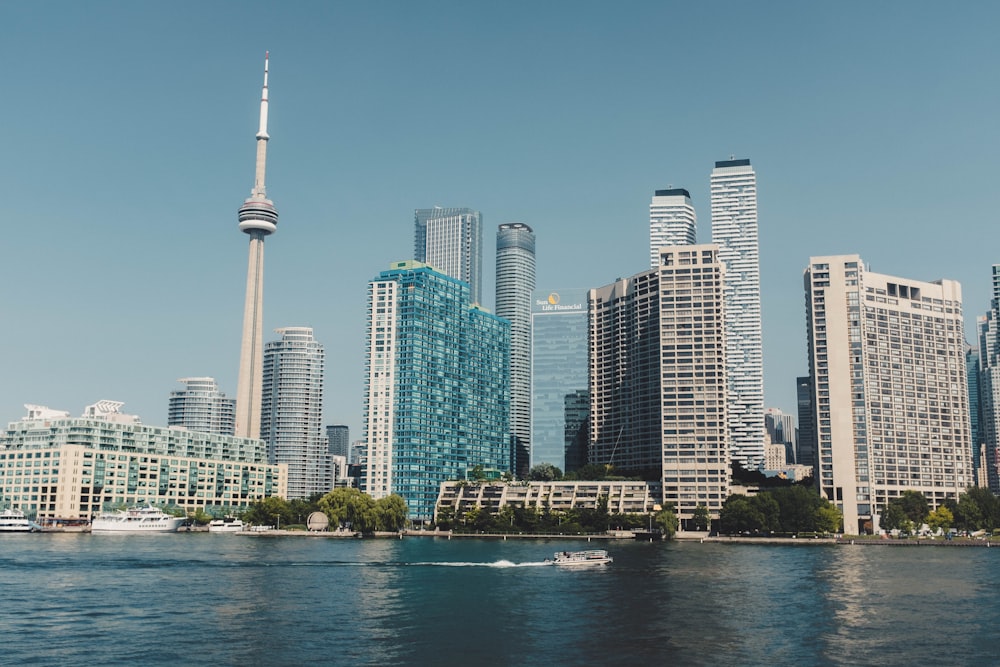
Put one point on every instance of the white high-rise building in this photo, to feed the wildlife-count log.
(658, 395)
(201, 407)
(887, 358)
(515, 281)
(292, 410)
(451, 241)
(734, 230)
(988, 334)
(672, 221)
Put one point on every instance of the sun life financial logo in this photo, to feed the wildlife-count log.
(552, 304)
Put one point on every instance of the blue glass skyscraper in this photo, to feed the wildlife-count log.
(560, 398)
(436, 387)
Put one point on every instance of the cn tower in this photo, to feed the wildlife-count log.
(258, 218)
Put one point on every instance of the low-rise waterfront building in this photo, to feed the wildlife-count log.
(624, 497)
(54, 466)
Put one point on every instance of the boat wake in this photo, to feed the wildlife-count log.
(497, 564)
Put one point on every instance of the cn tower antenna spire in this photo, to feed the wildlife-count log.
(258, 219)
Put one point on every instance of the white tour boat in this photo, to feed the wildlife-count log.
(146, 519)
(581, 558)
(13, 521)
(226, 525)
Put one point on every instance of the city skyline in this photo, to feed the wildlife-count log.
(90, 265)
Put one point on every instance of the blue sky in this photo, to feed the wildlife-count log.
(129, 145)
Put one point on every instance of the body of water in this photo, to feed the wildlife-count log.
(203, 599)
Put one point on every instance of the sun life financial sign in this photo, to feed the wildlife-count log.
(556, 302)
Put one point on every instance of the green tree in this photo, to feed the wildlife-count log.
(445, 518)
(915, 506)
(272, 511)
(349, 507)
(666, 521)
(477, 474)
(827, 517)
(989, 506)
(941, 518)
(701, 518)
(967, 513)
(391, 513)
(769, 511)
(894, 518)
(201, 517)
(544, 472)
(738, 515)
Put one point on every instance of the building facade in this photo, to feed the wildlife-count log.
(338, 440)
(54, 466)
(292, 410)
(560, 394)
(202, 407)
(622, 497)
(658, 394)
(781, 431)
(734, 230)
(451, 241)
(989, 385)
(887, 358)
(436, 386)
(672, 221)
(515, 281)
(805, 436)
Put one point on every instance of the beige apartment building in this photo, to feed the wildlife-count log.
(889, 397)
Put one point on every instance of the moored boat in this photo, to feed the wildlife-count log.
(582, 558)
(14, 521)
(146, 519)
(227, 525)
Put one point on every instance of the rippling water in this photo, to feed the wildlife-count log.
(201, 599)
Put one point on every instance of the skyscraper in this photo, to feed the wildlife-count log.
(560, 394)
(201, 407)
(805, 436)
(451, 241)
(258, 218)
(989, 384)
(734, 230)
(887, 358)
(658, 396)
(292, 410)
(781, 429)
(672, 221)
(515, 281)
(436, 386)
(338, 439)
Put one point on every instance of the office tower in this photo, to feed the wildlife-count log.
(989, 384)
(258, 218)
(515, 281)
(292, 410)
(805, 438)
(107, 458)
(972, 373)
(658, 395)
(560, 394)
(451, 241)
(781, 429)
(201, 407)
(436, 386)
(671, 221)
(338, 439)
(734, 230)
(887, 358)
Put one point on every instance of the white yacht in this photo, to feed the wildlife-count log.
(226, 525)
(146, 519)
(13, 521)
